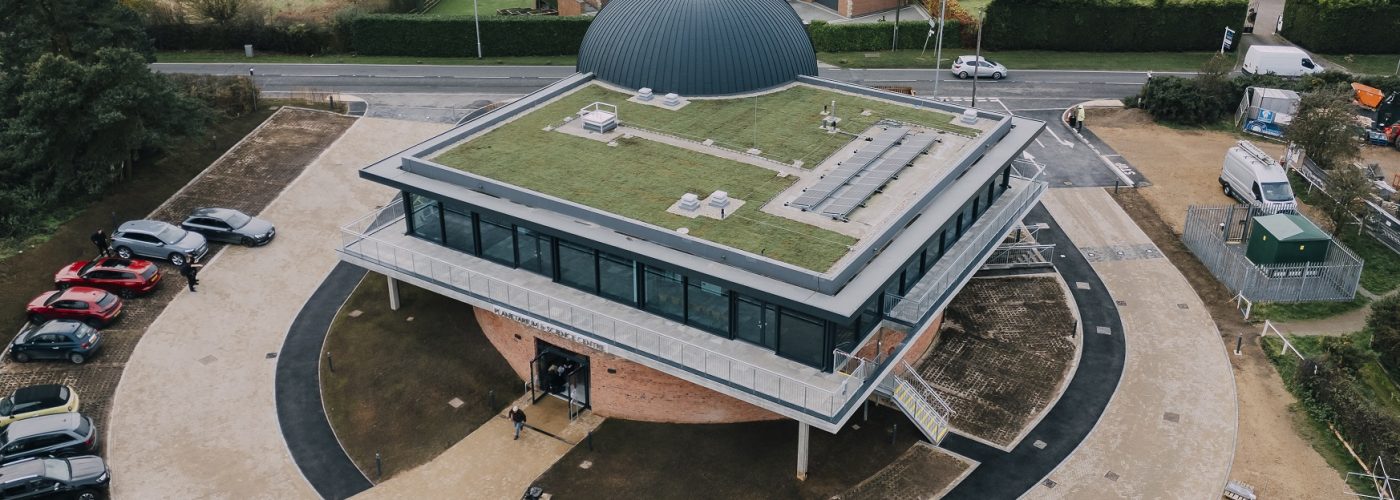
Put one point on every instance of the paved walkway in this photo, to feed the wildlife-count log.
(194, 415)
(1170, 430)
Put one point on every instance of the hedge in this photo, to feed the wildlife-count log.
(455, 36)
(854, 37)
(1109, 26)
(1364, 27)
(287, 39)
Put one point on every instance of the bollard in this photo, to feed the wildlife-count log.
(330, 362)
(866, 416)
(378, 467)
(1239, 343)
(894, 433)
(590, 440)
(492, 395)
(1115, 187)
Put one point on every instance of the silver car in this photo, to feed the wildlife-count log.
(158, 240)
(229, 225)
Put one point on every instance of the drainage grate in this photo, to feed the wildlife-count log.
(1182, 306)
(1171, 417)
(1038, 444)
(1049, 483)
(456, 403)
(271, 355)
(1111, 476)
(1121, 302)
(1081, 285)
(1103, 330)
(356, 313)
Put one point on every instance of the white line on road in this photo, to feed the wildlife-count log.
(1058, 139)
(1038, 143)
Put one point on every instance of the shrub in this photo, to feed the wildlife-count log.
(1109, 26)
(229, 95)
(1181, 101)
(455, 36)
(852, 37)
(1384, 322)
(1352, 27)
(298, 38)
(1370, 429)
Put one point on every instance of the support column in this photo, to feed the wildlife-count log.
(803, 433)
(393, 293)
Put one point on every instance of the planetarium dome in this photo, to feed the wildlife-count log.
(697, 47)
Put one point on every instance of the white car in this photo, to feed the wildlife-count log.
(965, 67)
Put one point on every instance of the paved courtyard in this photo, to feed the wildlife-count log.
(1169, 431)
(195, 416)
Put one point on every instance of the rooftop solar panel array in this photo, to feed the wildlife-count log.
(878, 175)
(819, 192)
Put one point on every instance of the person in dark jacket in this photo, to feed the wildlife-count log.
(102, 242)
(190, 271)
(517, 418)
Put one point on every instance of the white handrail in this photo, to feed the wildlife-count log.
(589, 321)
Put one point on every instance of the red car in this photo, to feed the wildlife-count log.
(125, 277)
(95, 307)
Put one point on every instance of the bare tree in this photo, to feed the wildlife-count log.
(219, 11)
(1325, 127)
(1347, 189)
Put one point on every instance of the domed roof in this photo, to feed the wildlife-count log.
(697, 47)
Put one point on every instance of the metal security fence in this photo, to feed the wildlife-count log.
(1383, 226)
(1218, 235)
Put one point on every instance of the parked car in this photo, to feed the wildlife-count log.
(56, 339)
(229, 225)
(967, 66)
(158, 240)
(37, 400)
(82, 477)
(124, 277)
(89, 305)
(60, 435)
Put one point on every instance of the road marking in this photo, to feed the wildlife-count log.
(1038, 143)
(1058, 139)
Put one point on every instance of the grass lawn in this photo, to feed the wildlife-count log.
(1305, 310)
(640, 179)
(395, 372)
(198, 56)
(484, 7)
(1381, 272)
(1028, 59)
(1374, 64)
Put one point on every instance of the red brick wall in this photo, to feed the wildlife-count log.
(634, 392)
(853, 8)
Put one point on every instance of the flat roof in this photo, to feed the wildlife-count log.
(658, 154)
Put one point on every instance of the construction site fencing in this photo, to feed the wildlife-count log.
(1218, 235)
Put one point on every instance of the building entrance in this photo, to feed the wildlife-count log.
(560, 373)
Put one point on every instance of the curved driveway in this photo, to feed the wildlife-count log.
(194, 414)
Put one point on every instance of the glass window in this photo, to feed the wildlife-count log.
(617, 279)
(665, 292)
(755, 322)
(535, 253)
(911, 275)
(425, 216)
(577, 267)
(458, 231)
(802, 338)
(846, 336)
(708, 304)
(497, 241)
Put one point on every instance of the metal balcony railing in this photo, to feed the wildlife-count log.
(823, 398)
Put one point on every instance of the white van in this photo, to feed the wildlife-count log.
(1281, 60)
(1251, 176)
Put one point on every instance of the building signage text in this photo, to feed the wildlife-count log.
(549, 328)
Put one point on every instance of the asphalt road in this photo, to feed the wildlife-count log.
(443, 93)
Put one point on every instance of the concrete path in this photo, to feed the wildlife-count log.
(194, 414)
(1169, 431)
(489, 463)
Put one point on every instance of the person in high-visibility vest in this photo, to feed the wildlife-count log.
(1079, 118)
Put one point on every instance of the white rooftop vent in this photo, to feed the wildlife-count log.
(599, 117)
(719, 199)
(969, 116)
(672, 99)
(644, 94)
(689, 202)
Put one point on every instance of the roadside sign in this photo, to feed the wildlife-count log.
(1229, 42)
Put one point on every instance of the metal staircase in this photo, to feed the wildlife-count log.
(918, 401)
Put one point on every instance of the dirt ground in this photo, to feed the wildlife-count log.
(1005, 348)
(286, 143)
(921, 472)
(381, 355)
(1269, 452)
(757, 460)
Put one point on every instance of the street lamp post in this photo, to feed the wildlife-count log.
(476, 19)
(938, 50)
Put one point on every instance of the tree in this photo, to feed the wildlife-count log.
(219, 11)
(1347, 188)
(1325, 127)
(1384, 323)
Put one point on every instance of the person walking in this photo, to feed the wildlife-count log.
(190, 271)
(517, 418)
(102, 242)
(1079, 118)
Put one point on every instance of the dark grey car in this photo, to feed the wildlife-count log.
(159, 240)
(61, 434)
(229, 225)
(85, 477)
